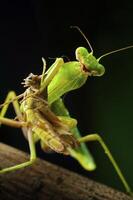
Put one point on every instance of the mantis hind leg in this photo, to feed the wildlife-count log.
(32, 155)
(97, 137)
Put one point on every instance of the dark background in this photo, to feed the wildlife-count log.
(32, 29)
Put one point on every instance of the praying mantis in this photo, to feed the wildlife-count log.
(43, 116)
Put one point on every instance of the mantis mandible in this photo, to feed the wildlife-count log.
(42, 115)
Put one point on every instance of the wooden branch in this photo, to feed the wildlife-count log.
(45, 181)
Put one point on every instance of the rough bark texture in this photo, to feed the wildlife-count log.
(45, 181)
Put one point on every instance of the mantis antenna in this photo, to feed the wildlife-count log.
(76, 27)
(117, 50)
(106, 54)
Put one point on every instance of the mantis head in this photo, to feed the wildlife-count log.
(89, 62)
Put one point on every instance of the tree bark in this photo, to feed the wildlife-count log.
(45, 181)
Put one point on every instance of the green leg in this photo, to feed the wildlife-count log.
(10, 99)
(32, 156)
(70, 122)
(10, 96)
(81, 154)
(13, 123)
(96, 137)
(10, 122)
(50, 73)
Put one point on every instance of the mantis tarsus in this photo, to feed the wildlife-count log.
(43, 117)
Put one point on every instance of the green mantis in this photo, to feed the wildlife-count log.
(43, 117)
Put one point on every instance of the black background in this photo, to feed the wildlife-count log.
(32, 29)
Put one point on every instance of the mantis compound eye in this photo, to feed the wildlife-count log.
(100, 70)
